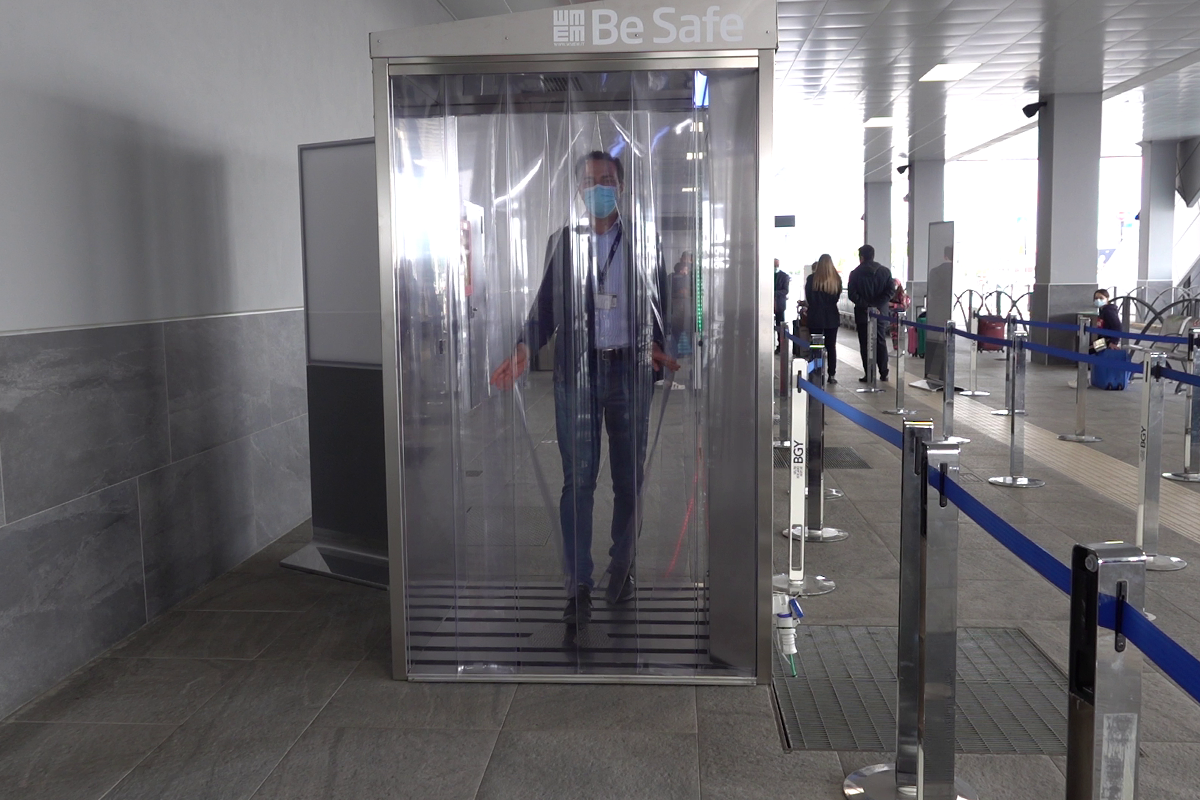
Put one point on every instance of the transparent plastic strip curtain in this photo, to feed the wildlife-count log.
(558, 245)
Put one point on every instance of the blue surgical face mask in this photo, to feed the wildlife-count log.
(1100, 301)
(601, 201)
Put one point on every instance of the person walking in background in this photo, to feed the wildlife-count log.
(870, 287)
(782, 282)
(822, 289)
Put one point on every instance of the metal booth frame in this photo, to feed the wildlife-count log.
(388, 62)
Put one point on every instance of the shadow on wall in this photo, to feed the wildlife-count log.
(138, 461)
(107, 218)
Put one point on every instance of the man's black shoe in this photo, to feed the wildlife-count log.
(619, 591)
(832, 380)
(579, 606)
(883, 378)
(863, 379)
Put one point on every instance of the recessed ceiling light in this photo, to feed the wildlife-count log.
(949, 72)
(878, 122)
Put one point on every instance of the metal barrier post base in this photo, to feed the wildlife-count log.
(869, 390)
(1160, 563)
(878, 782)
(825, 535)
(975, 393)
(1017, 482)
(1185, 477)
(902, 412)
(808, 586)
(955, 440)
(1082, 439)
(1003, 412)
(832, 494)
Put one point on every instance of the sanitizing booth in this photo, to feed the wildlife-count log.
(577, 343)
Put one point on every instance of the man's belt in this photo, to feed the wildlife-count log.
(613, 353)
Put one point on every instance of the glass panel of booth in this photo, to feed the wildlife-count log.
(575, 359)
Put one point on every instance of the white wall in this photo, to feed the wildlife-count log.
(148, 149)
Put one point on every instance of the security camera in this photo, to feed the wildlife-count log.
(903, 168)
(1033, 108)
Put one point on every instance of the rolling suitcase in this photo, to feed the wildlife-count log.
(1114, 378)
(921, 336)
(993, 328)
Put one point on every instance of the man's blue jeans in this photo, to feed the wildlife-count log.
(617, 393)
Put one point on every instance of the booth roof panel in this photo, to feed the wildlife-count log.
(619, 26)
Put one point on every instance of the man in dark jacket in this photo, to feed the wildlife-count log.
(870, 287)
(1110, 317)
(604, 357)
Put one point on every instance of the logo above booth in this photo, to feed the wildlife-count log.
(627, 26)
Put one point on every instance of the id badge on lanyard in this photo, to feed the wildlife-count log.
(606, 301)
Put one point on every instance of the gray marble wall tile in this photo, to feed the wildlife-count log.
(282, 490)
(197, 522)
(79, 411)
(218, 381)
(283, 338)
(70, 587)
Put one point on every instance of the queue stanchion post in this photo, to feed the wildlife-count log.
(872, 386)
(948, 389)
(1104, 685)
(1081, 384)
(926, 649)
(1010, 330)
(1016, 477)
(816, 531)
(901, 349)
(798, 581)
(1150, 469)
(973, 389)
(1191, 419)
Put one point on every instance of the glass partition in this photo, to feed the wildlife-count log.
(574, 259)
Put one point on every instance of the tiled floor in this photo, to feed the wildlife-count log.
(274, 684)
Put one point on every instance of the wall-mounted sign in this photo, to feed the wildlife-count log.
(624, 26)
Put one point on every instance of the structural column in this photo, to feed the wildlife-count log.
(877, 193)
(1157, 217)
(1068, 205)
(926, 179)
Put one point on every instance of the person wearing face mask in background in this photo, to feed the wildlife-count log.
(1109, 317)
(605, 354)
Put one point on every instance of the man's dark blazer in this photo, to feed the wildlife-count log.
(556, 307)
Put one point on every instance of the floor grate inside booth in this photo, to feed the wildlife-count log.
(1012, 700)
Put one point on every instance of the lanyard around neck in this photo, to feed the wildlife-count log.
(602, 273)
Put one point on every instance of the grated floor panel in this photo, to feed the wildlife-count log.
(1011, 698)
(844, 458)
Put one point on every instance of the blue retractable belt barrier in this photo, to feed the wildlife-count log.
(1088, 358)
(1179, 665)
(1024, 548)
(1176, 375)
(1053, 326)
(820, 362)
(880, 429)
(1147, 337)
(796, 339)
(975, 337)
(922, 325)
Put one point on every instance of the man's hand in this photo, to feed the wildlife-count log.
(662, 360)
(513, 367)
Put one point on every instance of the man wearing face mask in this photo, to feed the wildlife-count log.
(605, 304)
(1109, 317)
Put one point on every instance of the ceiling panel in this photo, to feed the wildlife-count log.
(872, 52)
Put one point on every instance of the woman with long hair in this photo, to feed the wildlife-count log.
(822, 289)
